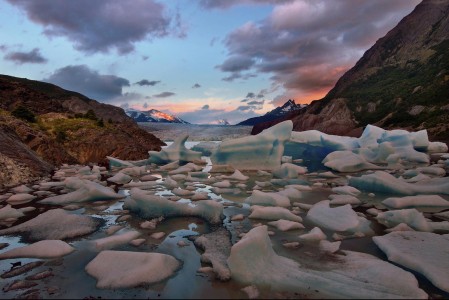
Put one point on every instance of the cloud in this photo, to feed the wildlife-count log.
(145, 105)
(164, 95)
(236, 63)
(102, 25)
(209, 116)
(250, 95)
(32, 57)
(196, 86)
(206, 106)
(147, 82)
(238, 75)
(254, 102)
(82, 79)
(145, 57)
(311, 43)
(224, 4)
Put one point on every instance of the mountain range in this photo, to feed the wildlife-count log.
(153, 116)
(402, 81)
(286, 109)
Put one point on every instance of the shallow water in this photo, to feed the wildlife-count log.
(70, 280)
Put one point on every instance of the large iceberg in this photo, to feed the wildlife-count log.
(261, 152)
(353, 275)
(174, 152)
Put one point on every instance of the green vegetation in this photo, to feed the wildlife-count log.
(392, 89)
(24, 114)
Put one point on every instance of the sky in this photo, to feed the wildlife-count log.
(202, 60)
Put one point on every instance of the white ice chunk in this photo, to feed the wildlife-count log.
(437, 147)
(342, 218)
(267, 199)
(41, 249)
(343, 199)
(346, 190)
(55, 224)
(8, 212)
(355, 275)
(423, 252)
(273, 213)
(285, 225)
(150, 206)
(432, 170)
(20, 198)
(222, 184)
(115, 240)
(120, 178)
(347, 161)
(125, 269)
(329, 247)
(384, 182)
(237, 175)
(291, 193)
(259, 152)
(421, 201)
(400, 227)
(85, 191)
(288, 170)
(411, 217)
(174, 152)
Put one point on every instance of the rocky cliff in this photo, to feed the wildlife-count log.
(400, 82)
(42, 125)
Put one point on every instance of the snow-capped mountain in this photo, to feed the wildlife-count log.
(153, 115)
(221, 122)
(289, 107)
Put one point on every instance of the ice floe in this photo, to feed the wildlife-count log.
(268, 199)
(273, 213)
(254, 262)
(424, 252)
(286, 225)
(150, 206)
(341, 218)
(422, 202)
(55, 224)
(125, 269)
(41, 249)
(384, 182)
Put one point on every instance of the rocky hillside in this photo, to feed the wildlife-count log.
(43, 126)
(400, 82)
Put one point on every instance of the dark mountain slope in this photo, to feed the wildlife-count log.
(400, 82)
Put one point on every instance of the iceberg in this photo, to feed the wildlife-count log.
(260, 152)
(174, 152)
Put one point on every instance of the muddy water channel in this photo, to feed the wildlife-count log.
(66, 277)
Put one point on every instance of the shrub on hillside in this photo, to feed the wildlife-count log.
(24, 114)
